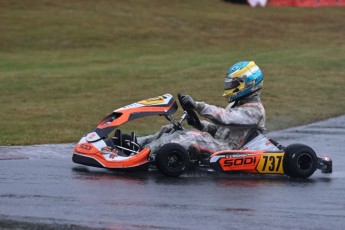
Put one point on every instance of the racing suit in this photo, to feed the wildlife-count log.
(227, 129)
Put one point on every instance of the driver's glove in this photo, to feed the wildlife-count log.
(188, 101)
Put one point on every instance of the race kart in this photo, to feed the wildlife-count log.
(108, 147)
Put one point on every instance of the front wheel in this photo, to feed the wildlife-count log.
(172, 159)
(300, 161)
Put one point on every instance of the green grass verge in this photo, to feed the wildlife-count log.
(66, 64)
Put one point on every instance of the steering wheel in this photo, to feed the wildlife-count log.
(194, 119)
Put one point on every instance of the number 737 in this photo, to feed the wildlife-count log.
(272, 162)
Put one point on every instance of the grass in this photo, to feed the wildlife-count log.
(66, 64)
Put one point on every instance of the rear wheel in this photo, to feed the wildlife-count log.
(300, 161)
(172, 159)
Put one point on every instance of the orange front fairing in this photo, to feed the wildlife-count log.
(248, 161)
(133, 161)
(108, 160)
(99, 150)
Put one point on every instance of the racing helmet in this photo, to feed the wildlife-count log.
(243, 79)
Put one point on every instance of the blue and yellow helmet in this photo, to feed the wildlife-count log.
(243, 79)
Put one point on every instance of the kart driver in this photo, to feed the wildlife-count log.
(227, 128)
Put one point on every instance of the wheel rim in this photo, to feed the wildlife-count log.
(304, 161)
(174, 160)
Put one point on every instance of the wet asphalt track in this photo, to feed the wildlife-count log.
(49, 191)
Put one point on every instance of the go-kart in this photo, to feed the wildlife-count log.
(107, 147)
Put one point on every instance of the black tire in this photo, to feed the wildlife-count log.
(172, 159)
(300, 161)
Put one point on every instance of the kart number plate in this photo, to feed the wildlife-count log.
(271, 163)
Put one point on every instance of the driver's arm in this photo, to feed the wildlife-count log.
(244, 116)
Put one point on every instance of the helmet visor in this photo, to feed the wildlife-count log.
(232, 83)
